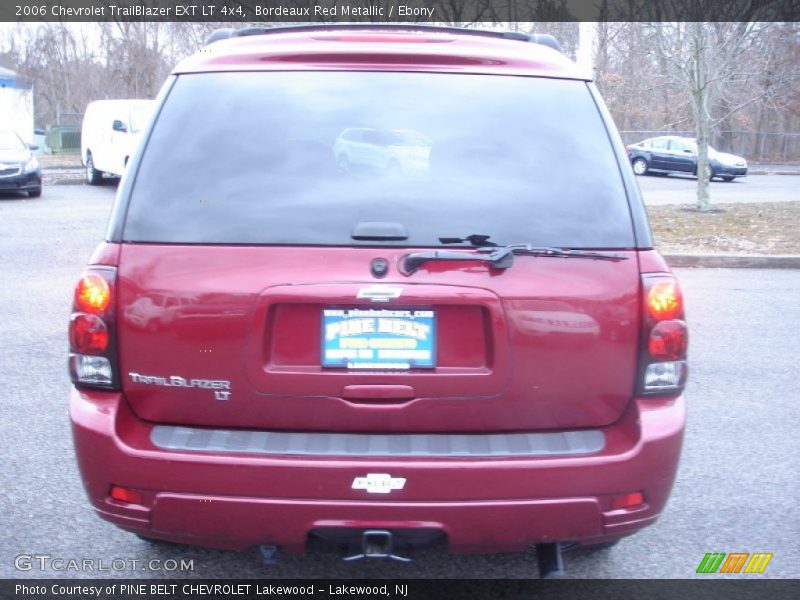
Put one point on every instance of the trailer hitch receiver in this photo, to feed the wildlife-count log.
(377, 543)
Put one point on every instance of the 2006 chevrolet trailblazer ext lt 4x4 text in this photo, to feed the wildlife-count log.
(470, 340)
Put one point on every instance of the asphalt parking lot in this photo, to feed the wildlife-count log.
(736, 491)
(682, 189)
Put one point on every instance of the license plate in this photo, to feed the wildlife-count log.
(355, 338)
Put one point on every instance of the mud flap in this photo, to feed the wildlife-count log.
(551, 560)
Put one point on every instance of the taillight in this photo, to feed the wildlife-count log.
(668, 340)
(664, 300)
(665, 340)
(92, 359)
(93, 293)
(88, 334)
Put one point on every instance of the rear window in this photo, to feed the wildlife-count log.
(303, 158)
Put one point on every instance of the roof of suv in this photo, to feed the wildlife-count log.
(381, 49)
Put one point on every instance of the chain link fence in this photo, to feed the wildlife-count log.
(755, 146)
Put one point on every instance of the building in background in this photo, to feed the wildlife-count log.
(16, 105)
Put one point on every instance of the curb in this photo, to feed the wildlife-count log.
(734, 261)
(67, 182)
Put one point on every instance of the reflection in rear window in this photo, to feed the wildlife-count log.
(302, 158)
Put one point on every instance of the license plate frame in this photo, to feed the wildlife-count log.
(378, 339)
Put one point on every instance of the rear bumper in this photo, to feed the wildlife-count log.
(236, 500)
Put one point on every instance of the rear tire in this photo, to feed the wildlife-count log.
(640, 166)
(727, 178)
(35, 193)
(93, 176)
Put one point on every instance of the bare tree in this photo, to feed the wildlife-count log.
(714, 63)
(59, 63)
(654, 77)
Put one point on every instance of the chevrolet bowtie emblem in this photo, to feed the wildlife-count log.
(378, 483)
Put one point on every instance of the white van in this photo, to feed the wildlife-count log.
(110, 134)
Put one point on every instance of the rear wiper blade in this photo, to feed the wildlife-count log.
(500, 257)
(482, 242)
(529, 250)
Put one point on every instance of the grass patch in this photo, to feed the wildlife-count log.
(763, 228)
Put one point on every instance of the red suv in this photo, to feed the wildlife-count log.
(468, 339)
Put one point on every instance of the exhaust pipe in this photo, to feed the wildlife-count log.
(377, 543)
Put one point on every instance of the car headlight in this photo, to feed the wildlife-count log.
(733, 161)
(31, 165)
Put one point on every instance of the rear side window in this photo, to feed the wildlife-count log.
(302, 158)
(680, 146)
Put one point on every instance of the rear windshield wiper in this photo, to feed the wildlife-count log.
(500, 257)
(529, 250)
